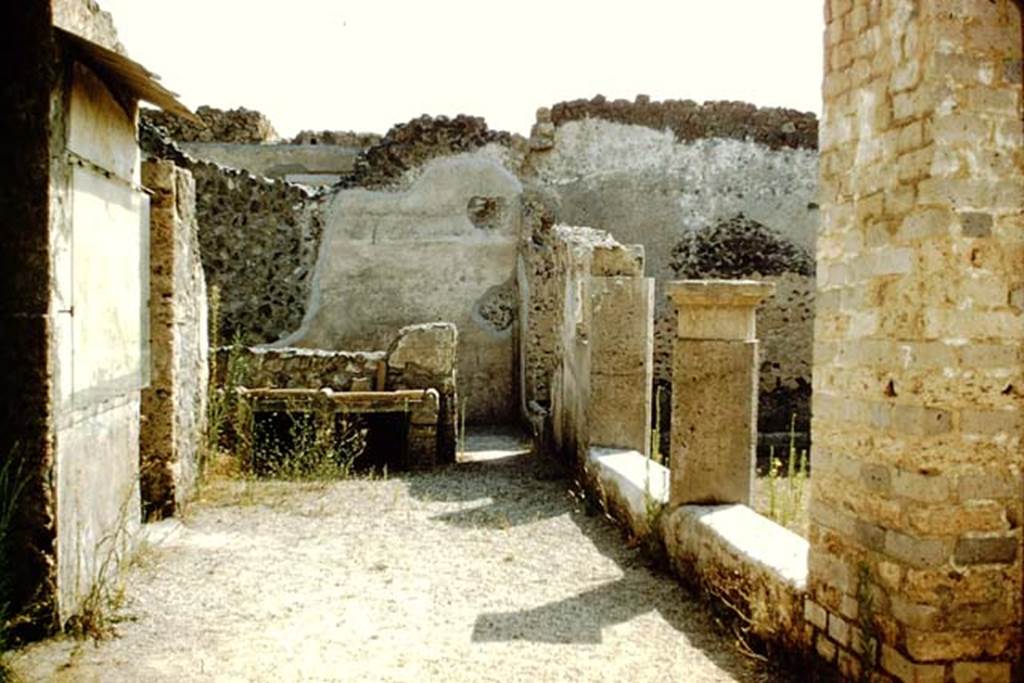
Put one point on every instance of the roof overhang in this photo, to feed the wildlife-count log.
(123, 74)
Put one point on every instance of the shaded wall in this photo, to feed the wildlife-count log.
(27, 82)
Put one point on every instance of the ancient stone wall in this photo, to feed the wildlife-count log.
(85, 18)
(440, 246)
(239, 125)
(408, 146)
(342, 138)
(915, 562)
(774, 127)
(259, 239)
(174, 404)
(701, 208)
(291, 368)
(581, 263)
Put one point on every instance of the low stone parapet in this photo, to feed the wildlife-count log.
(421, 406)
(734, 554)
(758, 567)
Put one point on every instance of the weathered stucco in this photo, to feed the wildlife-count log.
(99, 347)
(645, 186)
(390, 259)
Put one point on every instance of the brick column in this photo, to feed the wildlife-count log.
(915, 565)
(714, 390)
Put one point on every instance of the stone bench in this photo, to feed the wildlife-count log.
(421, 406)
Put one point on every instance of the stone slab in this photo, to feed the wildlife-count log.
(713, 421)
(621, 361)
(633, 485)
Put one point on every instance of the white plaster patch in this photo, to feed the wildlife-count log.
(754, 538)
(636, 481)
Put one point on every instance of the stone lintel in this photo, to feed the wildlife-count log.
(747, 293)
(718, 309)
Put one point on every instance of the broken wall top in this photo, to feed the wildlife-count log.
(688, 120)
(239, 125)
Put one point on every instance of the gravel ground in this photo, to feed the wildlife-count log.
(487, 570)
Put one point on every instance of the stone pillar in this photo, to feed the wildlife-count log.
(621, 362)
(714, 390)
(422, 441)
(174, 405)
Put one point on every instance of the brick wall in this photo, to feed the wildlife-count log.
(915, 563)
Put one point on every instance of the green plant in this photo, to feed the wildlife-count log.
(316, 446)
(12, 486)
(651, 544)
(96, 615)
(867, 633)
(222, 418)
(786, 499)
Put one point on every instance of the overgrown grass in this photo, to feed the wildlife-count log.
(222, 419)
(236, 445)
(787, 485)
(97, 614)
(12, 486)
(310, 450)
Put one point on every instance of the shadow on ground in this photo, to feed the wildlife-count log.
(521, 488)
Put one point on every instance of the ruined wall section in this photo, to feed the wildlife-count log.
(741, 248)
(773, 127)
(174, 404)
(707, 206)
(239, 125)
(916, 510)
(411, 145)
(341, 138)
(258, 239)
(581, 260)
(85, 18)
(540, 310)
(439, 245)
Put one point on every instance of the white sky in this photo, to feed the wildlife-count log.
(368, 64)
